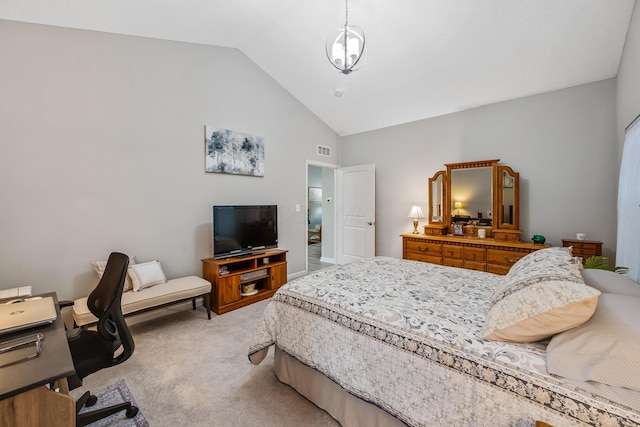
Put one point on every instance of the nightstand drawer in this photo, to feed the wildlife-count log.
(583, 248)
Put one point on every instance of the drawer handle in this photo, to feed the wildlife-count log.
(450, 253)
(421, 249)
(509, 260)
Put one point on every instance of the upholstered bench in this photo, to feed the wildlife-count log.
(151, 298)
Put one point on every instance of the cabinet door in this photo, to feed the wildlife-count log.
(277, 276)
(228, 289)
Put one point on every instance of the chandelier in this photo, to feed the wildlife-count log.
(345, 47)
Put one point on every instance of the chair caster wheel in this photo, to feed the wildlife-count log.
(132, 412)
(92, 400)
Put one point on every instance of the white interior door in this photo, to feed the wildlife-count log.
(355, 211)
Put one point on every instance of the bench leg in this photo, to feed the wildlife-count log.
(193, 303)
(207, 303)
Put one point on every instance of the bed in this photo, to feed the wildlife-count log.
(386, 342)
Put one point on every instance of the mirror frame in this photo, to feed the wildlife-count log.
(510, 231)
(443, 176)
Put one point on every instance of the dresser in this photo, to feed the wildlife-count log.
(583, 248)
(493, 256)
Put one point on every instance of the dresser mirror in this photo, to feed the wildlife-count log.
(436, 198)
(480, 194)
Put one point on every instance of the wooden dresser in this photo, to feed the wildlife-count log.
(583, 248)
(494, 256)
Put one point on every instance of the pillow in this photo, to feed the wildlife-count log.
(551, 255)
(604, 349)
(610, 282)
(99, 267)
(146, 274)
(545, 295)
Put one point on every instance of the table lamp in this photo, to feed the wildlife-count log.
(416, 214)
(457, 206)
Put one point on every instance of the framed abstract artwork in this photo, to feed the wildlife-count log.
(232, 152)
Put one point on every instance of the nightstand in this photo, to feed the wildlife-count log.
(583, 248)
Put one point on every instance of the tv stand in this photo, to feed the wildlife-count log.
(268, 270)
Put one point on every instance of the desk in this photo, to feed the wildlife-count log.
(24, 399)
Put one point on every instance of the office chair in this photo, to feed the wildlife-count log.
(110, 345)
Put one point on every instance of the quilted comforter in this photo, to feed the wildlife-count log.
(404, 336)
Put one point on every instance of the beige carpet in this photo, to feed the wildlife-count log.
(187, 370)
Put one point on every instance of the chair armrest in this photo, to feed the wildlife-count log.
(65, 303)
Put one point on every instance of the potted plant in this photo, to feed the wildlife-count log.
(602, 263)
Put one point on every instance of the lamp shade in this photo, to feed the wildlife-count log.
(457, 205)
(416, 212)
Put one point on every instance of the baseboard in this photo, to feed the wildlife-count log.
(328, 260)
(292, 276)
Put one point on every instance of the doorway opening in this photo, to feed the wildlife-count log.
(320, 234)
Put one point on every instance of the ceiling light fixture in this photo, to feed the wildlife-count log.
(345, 47)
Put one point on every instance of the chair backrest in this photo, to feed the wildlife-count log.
(105, 302)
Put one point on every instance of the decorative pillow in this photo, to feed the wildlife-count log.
(604, 349)
(543, 296)
(554, 255)
(610, 282)
(99, 267)
(146, 274)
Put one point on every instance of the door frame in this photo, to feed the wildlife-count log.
(333, 166)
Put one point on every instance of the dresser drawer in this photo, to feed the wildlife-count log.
(416, 256)
(498, 269)
(452, 262)
(451, 251)
(504, 257)
(417, 247)
(475, 254)
(471, 265)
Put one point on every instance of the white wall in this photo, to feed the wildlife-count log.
(562, 143)
(102, 149)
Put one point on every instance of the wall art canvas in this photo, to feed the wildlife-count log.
(232, 152)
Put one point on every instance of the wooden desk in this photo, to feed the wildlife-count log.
(24, 398)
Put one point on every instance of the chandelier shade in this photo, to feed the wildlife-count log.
(346, 47)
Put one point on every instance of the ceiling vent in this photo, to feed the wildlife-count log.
(324, 151)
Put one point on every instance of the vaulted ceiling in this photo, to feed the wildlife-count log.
(425, 57)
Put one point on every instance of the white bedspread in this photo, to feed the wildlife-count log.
(404, 336)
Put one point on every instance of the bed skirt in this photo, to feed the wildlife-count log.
(347, 409)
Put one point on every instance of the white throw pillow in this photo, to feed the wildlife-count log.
(99, 267)
(146, 274)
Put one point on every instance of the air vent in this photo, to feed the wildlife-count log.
(324, 151)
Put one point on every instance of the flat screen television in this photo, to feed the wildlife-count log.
(244, 230)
